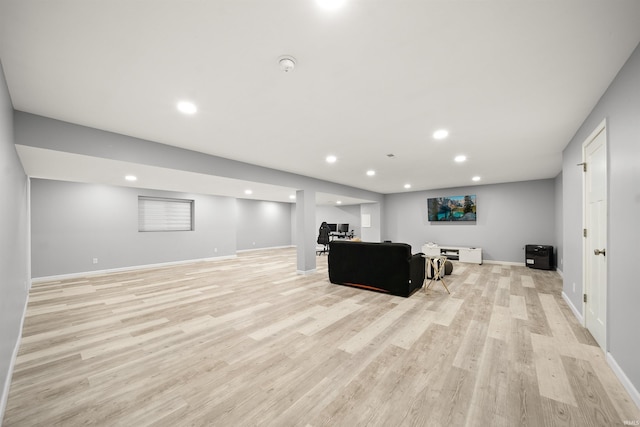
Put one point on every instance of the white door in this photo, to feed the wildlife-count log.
(595, 242)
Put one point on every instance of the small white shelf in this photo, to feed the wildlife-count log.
(462, 254)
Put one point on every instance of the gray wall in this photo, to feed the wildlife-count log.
(620, 105)
(72, 223)
(14, 238)
(509, 217)
(262, 224)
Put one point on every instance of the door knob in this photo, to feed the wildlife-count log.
(600, 252)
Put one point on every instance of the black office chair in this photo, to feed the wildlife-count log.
(323, 238)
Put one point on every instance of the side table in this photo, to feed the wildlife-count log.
(436, 263)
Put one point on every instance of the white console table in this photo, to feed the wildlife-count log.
(471, 255)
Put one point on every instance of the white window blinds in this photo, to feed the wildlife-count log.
(159, 214)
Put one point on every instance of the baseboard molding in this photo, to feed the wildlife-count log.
(628, 385)
(265, 249)
(573, 308)
(491, 261)
(14, 355)
(122, 269)
(306, 272)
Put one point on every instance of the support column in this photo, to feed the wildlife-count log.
(306, 230)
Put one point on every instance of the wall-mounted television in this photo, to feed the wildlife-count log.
(452, 208)
(343, 228)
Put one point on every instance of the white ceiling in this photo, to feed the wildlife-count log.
(511, 80)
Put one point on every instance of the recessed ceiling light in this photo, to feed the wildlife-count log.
(131, 178)
(407, 186)
(331, 4)
(292, 197)
(187, 107)
(371, 172)
(339, 202)
(461, 158)
(331, 159)
(475, 178)
(248, 192)
(441, 134)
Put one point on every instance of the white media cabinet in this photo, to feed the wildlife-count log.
(471, 255)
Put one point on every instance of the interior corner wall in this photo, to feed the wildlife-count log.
(510, 216)
(558, 220)
(73, 223)
(263, 224)
(14, 241)
(620, 106)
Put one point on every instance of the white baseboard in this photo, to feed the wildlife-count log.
(628, 385)
(264, 249)
(14, 355)
(306, 272)
(491, 261)
(573, 308)
(121, 269)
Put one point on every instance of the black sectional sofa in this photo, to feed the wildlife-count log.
(384, 267)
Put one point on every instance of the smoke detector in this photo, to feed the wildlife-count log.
(287, 63)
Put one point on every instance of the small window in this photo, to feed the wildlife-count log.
(159, 214)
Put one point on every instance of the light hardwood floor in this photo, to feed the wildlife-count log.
(247, 341)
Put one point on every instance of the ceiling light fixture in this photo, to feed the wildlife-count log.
(331, 159)
(441, 134)
(371, 172)
(407, 186)
(287, 63)
(187, 107)
(248, 192)
(339, 202)
(461, 158)
(292, 197)
(330, 4)
(475, 178)
(131, 178)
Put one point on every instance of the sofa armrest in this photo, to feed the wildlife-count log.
(417, 269)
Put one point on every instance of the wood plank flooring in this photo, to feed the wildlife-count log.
(247, 341)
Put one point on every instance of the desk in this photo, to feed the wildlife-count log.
(436, 263)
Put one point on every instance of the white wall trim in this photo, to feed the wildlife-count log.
(264, 249)
(491, 261)
(573, 308)
(121, 269)
(628, 385)
(307, 272)
(5, 389)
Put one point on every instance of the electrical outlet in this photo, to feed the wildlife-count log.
(95, 260)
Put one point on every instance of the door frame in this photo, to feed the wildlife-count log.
(586, 257)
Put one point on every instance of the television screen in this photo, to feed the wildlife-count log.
(453, 208)
(343, 228)
(333, 227)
